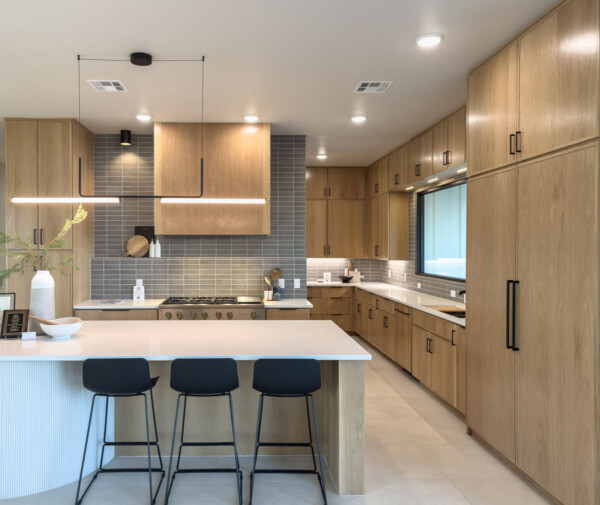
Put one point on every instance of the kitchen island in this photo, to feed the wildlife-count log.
(44, 407)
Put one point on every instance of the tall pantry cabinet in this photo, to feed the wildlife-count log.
(42, 159)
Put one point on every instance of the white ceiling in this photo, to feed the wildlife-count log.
(294, 63)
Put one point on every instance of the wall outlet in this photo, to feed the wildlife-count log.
(418, 285)
(452, 292)
(296, 283)
(405, 276)
(390, 273)
(282, 283)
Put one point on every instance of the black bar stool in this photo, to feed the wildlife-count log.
(203, 378)
(120, 378)
(288, 378)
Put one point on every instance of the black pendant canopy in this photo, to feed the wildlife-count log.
(141, 59)
(125, 137)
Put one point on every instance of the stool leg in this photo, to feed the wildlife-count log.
(148, 446)
(182, 431)
(168, 490)
(87, 436)
(237, 460)
(104, 434)
(310, 439)
(322, 477)
(260, 409)
(155, 430)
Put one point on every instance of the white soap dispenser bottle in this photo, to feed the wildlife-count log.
(157, 251)
(151, 251)
(138, 291)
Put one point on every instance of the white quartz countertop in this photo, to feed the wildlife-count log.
(124, 305)
(413, 299)
(294, 303)
(168, 340)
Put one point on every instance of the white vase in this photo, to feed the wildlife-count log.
(42, 299)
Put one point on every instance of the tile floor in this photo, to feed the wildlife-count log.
(417, 453)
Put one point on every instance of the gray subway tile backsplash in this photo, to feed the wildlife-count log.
(195, 265)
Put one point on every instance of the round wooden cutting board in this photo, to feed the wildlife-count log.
(137, 246)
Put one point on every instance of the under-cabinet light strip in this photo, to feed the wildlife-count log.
(97, 199)
(251, 201)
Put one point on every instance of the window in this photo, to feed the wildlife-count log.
(442, 232)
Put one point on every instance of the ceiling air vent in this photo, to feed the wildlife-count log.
(373, 86)
(108, 85)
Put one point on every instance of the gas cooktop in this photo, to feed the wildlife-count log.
(215, 300)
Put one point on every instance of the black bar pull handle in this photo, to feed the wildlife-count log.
(452, 338)
(418, 169)
(358, 309)
(396, 179)
(508, 284)
(402, 312)
(511, 138)
(376, 187)
(325, 192)
(444, 158)
(35, 236)
(514, 316)
(385, 321)
(329, 191)
(448, 157)
(41, 236)
(518, 142)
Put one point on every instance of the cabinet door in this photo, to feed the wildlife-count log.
(398, 169)
(440, 146)
(55, 177)
(402, 337)
(386, 330)
(346, 183)
(557, 299)
(383, 226)
(22, 175)
(426, 154)
(558, 79)
(358, 319)
(461, 369)
(364, 323)
(443, 369)
(414, 154)
(382, 175)
(118, 315)
(316, 183)
(421, 358)
(316, 228)
(374, 337)
(346, 228)
(371, 227)
(457, 131)
(491, 244)
(371, 177)
(492, 105)
(63, 284)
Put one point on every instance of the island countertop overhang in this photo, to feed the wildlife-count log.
(169, 340)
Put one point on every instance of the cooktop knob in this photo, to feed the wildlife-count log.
(204, 315)
(253, 315)
(229, 315)
(194, 316)
(179, 316)
(168, 315)
(219, 315)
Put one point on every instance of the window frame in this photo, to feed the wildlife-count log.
(421, 234)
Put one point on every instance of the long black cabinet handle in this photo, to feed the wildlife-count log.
(427, 344)
(402, 312)
(514, 316)
(511, 137)
(448, 157)
(41, 236)
(396, 179)
(35, 236)
(518, 142)
(508, 284)
(452, 341)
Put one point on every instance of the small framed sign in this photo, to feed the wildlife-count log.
(14, 323)
(7, 302)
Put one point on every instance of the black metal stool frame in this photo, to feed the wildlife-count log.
(258, 444)
(182, 444)
(106, 443)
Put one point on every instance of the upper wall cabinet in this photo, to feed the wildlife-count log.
(237, 164)
(539, 94)
(335, 183)
(387, 226)
(449, 142)
(558, 80)
(420, 156)
(398, 168)
(377, 177)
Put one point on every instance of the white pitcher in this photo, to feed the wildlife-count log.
(42, 299)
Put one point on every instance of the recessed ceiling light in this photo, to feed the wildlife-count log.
(321, 156)
(359, 119)
(461, 170)
(435, 179)
(429, 40)
(142, 116)
(251, 118)
(409, 188)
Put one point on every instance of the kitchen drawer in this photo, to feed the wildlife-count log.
(402, 309)
(117, 315)
(342, 292)
(365, 296)
(344, 322)
(384, 304)
(340, 306)
(317, 305)
(315, 317)
(436, 325)
(314, 292)
(287, 314)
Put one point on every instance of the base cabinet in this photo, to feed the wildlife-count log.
(117, 315)
(421, 357)
(333, 304)
(402, 338)
(287, 314)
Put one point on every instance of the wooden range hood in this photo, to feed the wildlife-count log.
(237, 164)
